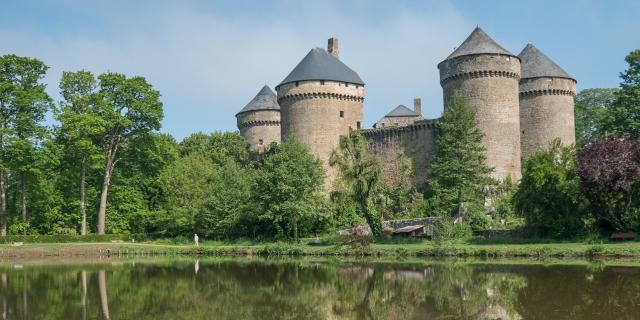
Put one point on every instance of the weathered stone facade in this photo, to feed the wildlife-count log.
(317, 113)
(260, 128)
(546, 113)
(416, 142)
(489, 85)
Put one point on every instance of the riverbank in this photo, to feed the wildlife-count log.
(419, 249)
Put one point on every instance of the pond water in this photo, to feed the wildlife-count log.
(246, 288)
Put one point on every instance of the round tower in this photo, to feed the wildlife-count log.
(321, 100)
(487, 75)
(546, 102)
(259, 120)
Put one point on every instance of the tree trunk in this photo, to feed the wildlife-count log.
(23, 199)
(108, 171)
(3, 205)
(102, 287)
(3, 191)
(295, 228)
(83, 276)
(83, 207)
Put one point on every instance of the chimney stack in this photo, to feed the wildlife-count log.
(417, 106)
(332, 47)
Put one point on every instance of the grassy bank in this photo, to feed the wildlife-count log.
(409, 249)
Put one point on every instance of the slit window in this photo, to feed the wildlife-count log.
(297, 83)
(322, 82)
(341, 114)
(358, 125)
(260, 142)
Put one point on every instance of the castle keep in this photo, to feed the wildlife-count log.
(521, 102)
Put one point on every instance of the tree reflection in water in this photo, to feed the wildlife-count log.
(266, 289)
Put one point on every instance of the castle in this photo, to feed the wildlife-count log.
(522, 103)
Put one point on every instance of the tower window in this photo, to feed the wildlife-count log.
(346, 84)
(297, 83)
(260, 142)
(341, 114)
(358, 125)
(322, 82)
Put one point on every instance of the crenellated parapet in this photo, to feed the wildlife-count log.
(319, 95)
(481, 74)
(547, 92)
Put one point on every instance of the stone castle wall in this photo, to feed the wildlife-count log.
(416, 142)
(546, 113)
(489, 85)
(260, 128)
(317, 113)
(396, 121)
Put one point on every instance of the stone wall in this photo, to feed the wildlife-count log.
(317, 113)
(489, 85)
(546, 113)
(387, 122)
(416, 142)
(260, 128)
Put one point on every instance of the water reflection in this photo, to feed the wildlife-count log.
(258, 289)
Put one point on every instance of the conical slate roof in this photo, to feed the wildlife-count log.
(401, 111)
(264, 100)
(478, 42)
(536, 64)
(318, 64)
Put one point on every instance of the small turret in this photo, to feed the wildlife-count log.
(546, 102)
(259, 120)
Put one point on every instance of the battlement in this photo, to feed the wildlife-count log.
(395, 131)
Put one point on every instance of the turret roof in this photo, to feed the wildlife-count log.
(478, 42)
(318, 64)
(536, 64)
(264, 100)
(401, 111)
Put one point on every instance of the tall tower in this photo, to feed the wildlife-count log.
(487, 75)
(259, 120)
(321, 100)
(546, 102)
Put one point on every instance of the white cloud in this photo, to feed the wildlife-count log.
(208, 63)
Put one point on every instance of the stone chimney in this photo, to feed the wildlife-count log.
(417, 105)
(332, 47)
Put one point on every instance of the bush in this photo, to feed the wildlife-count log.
(549, 196)
(447, 230)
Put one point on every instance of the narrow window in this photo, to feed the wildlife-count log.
(358, 125)
(260, 142)
(322, 82)
(346, 84)
(297, 83)
(341, 114)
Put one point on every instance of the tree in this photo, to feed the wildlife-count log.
(609, 172)
(287, 188)
(458, 172)
(401, 194)
(130, 107)
(24, 104)
(625, 118)
(80, 127)
(592, 109)
(549, 196)
(360, 178)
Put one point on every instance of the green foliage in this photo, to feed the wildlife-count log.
(287, 191)
(549, 196)
(458, 173)
(402, 197)
(624, 121)
(360, 179)
(592, 111)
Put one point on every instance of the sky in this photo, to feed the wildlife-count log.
(208, 59)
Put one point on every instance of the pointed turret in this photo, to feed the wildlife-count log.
(546, 102)
(478, 42)
(536, 64)
(265, 100)
(319, 64)
(259, 120)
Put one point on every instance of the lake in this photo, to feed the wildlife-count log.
(246, 288)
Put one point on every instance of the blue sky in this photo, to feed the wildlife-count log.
(208, 59)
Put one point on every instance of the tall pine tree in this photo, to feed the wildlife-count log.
(458, 172)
